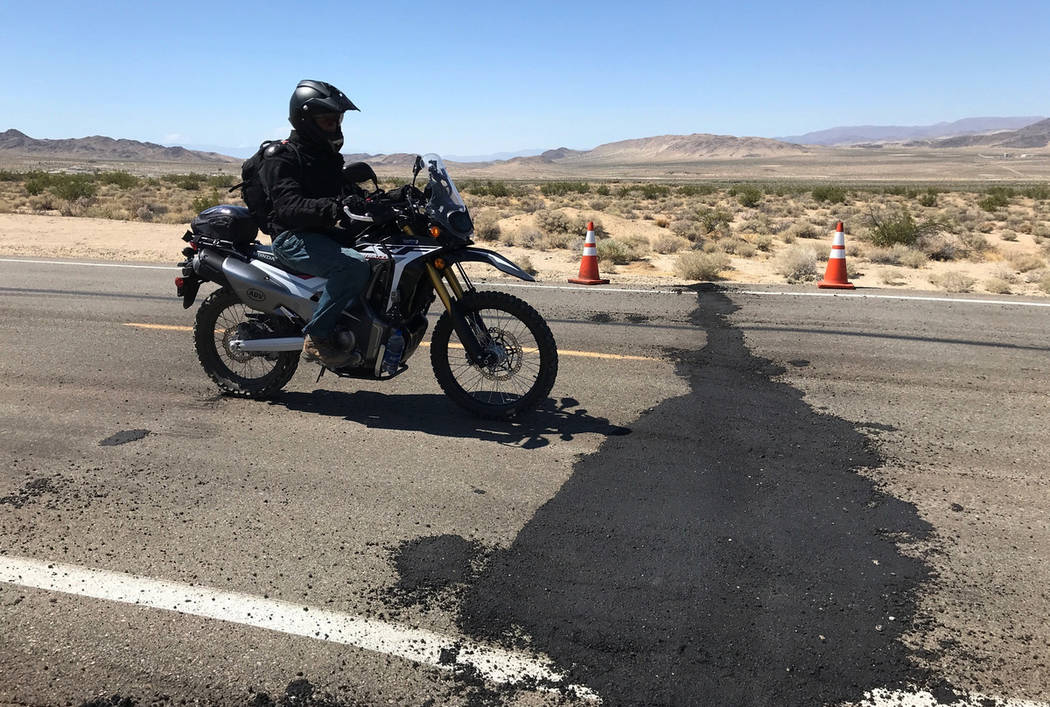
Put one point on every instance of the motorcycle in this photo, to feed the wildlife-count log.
(491, 352)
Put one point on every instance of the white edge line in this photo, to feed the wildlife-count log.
(418, 645)
(897, 297)
(602, 288)
(921, 698)
(676, 292)
(89, 265)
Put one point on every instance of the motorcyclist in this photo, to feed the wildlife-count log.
(307, 185)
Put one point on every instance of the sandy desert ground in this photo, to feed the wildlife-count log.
(36, 236)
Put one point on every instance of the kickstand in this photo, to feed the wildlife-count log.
(321, 373)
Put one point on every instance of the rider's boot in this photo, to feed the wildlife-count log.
(325, 350)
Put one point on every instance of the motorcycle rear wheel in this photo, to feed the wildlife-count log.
(222, 317)
(526, 363)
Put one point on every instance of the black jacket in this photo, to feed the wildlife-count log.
(304, 184)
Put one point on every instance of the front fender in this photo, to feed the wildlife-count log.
(480, 255)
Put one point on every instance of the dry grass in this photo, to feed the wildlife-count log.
(708, 225)
(694, 265)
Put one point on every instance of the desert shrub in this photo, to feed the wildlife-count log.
(746, 250)
(42, 202)
(654, 191)
(221, 181)
(929, 198)
(560, 188)
(974, 243)
(488, 188)
(889, 276)
(803, 229)
(830, 194)
(712, 220)
(1039, 192)
(689, 229)
(696, 189)
(602, 190)
(888, 256)
(940, 246)
(667, 243)
(732, 246)
(553, 221)
(525, 263)
(206, 201)
(1009, 236)
(998, 198)
(486, 228)
(701, 266)
(189, 182)
(618, 252)
(757, 223)
(912, 258)
(9, 176)
(798, 264)
(122, 180)
(996, 286)
(1025, 262)
(953, 281)
(73, 186)
(599, 204)
(661, 221)
(550, 241)
(578, 226)
(35, 185)
(525, 237)
(747, 194)
(531, 205)
(899, 227)
(764, 242)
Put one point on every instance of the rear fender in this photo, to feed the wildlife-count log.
(480, 255)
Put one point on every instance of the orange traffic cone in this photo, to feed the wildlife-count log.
(835, 275)
(589, 264)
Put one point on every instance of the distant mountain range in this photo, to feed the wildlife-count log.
(669, 155)
(97, 147)
(664, 149)
(851, 135)
(1031, 136)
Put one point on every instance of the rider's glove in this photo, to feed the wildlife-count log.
(380, 213)
(356, 204)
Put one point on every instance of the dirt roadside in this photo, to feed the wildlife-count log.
(45, 236)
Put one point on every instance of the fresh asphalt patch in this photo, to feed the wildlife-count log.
(728, 550)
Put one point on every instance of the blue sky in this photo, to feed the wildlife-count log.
(481, 77)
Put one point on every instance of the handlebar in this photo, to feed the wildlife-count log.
(357, 217)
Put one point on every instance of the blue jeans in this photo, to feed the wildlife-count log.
(316, 254)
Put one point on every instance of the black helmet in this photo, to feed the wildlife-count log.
(314, 98)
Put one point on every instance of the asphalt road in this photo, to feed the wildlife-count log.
(733, 497)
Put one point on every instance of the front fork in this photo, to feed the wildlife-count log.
(468, 334)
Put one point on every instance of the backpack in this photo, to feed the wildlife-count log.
(226, 223)
(253, 191)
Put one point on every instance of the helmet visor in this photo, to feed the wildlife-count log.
(329, 122)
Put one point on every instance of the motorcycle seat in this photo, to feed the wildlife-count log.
(265, 253)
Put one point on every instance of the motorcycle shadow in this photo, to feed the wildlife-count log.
(435, 414)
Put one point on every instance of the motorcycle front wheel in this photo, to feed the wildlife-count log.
(523, 360)
(223, 318)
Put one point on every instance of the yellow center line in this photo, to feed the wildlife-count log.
(166, 327)
(561, 352)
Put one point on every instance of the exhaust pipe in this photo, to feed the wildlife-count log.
(291, 343)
